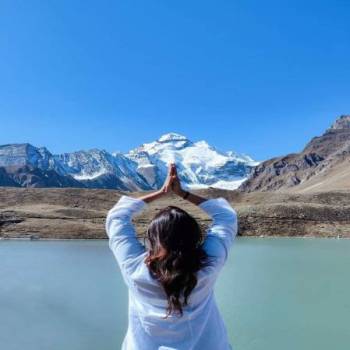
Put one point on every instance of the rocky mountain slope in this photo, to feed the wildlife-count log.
(323, 165)
(199, 165)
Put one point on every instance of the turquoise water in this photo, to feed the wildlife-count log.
(274, 293)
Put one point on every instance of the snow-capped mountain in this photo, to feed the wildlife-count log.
(24, 165)
(143, 168)
(98, 168)
(199, 164)
(22, 154)
(33, 166)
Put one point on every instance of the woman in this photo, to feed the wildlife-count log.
(171, 280)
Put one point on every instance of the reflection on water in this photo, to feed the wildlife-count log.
(274, 294)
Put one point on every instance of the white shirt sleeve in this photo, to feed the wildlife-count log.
(121, 232)
(223, 230)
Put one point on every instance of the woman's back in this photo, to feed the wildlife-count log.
(201, 325)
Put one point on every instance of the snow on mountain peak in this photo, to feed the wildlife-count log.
(199, 164)
(202, 143)
(172, 136)
(167, 143)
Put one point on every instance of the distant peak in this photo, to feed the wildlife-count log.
(343, 122)
(172, 136)
(202, 143)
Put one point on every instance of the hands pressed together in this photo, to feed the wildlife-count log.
(172, 185)
(172, 181)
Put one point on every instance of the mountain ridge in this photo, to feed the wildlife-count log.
(320, 165)
(142, 168)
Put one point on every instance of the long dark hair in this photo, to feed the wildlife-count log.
(175, 254)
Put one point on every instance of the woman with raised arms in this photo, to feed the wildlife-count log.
(171, 278)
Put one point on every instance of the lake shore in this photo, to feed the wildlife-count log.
(70, 213)
(25, 239)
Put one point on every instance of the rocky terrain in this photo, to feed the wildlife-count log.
(323, 165)
(80, 213)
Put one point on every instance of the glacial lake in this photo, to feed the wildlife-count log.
(274, 293)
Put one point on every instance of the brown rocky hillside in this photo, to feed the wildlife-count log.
(64, 213)
(323, 165)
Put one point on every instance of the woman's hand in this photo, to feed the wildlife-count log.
(172, 181)
(175, 181)
(177, 189)
(166, 188)
(172, 184)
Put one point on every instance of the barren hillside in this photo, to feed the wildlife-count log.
(80, 213)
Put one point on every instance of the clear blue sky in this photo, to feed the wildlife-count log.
(259, 77)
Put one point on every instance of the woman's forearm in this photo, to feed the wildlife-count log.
(149, 197)
(193, 198)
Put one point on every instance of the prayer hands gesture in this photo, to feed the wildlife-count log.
(172, 182)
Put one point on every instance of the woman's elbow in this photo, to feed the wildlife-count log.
(230, 215)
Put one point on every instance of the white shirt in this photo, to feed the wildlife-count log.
(201, 327)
